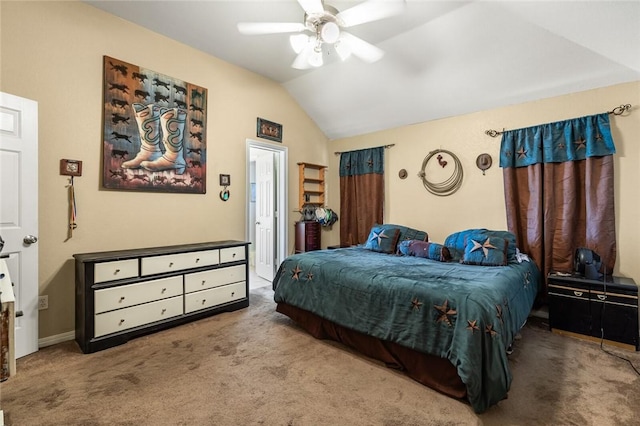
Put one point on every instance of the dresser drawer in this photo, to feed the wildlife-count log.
(116, 270)
(134, 294)
(124, 319)
(214, 296)
(176, 262)
(231, 254)
(214, 278)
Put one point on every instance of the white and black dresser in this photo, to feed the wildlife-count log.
(128, 293)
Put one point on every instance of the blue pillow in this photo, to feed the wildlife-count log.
(456, 242)
(407, 233)
(382, 239)
(481, 249)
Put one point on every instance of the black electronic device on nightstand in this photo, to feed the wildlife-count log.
(594, 309)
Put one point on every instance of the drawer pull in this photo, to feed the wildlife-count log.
(578, 293)
(232, 293)
(170, 264)
(121, 321)
(234, 255)
(204, 300)
(163, 311)
(163, 290)
(116, 271)
(121, 299)
(204, 281)
(197, 260)
(602, 296)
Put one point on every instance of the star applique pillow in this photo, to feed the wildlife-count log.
(481, 249)
(382, 239)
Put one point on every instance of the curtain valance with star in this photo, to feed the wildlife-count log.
(568, 140)
(362, 162)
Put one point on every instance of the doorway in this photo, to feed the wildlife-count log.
(266, 210)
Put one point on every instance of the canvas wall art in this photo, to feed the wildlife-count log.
(154, 136)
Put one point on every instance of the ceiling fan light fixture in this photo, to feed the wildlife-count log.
(299, 42)
(342, 49)
(329, 32)
(315, 58)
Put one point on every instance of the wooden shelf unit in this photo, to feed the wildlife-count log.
(311, 184)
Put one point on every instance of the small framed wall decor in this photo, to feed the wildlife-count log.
(70, 167)
(269, 130)
(225, 180)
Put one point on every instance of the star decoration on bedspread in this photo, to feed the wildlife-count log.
(445, 311)
(527, 279)
(309, 276)
(499, 313)
(485, 247)
(415, 304)
(378, 236)
(490, 331)
(295, 273)
(473, 326)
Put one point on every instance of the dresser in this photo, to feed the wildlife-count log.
(124, 294)
(586, 308)
(307, 236)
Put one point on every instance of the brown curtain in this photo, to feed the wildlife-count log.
(361, 193)
(555, 207)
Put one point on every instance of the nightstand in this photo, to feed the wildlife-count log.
(581, 307)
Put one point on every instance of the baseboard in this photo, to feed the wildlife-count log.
(58, 338)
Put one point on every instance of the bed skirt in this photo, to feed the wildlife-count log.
(429, 370)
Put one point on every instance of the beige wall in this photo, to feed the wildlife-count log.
(480, 201)
(52, 53)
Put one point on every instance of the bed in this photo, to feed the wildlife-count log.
(447, 321)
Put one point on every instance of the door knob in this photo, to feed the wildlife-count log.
(257, 223)
(30, 239)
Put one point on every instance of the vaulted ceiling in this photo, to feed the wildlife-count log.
(442, 58)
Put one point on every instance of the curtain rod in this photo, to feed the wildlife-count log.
(383, 146)
(619, 110)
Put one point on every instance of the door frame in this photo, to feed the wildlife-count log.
(282, 197)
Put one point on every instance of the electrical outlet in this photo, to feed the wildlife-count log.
(43, 302)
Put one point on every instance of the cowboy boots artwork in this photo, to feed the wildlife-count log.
(148, 120)
(172, 121)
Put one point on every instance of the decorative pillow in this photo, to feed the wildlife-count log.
(484, 250)
(382, 239)
(433, 251)
(456, 242)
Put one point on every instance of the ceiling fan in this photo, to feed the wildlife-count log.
(327, 26)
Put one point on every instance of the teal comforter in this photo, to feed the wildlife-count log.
(465, 313)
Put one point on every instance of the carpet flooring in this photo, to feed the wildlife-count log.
(256, 367)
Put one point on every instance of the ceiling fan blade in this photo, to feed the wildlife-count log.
(312, 6)
(257, 28)
(302, 60)
(370, 10)
(362, 49)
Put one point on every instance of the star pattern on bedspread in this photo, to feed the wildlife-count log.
(484, 246)
(309, 276)
(378, 236)
(473, 326)
(295, 273)
(527, 279)
(499, 313)
(490, 331)
(445, 312)
(415, 304)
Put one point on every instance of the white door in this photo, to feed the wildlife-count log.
(265, 196)
(19, 212)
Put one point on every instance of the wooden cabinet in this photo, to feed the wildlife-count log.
(128, 293)
(307, 236)
(311, 185)
(594, 309)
